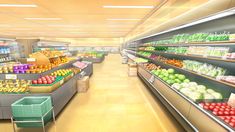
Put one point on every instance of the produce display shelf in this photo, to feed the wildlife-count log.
(36, 75)
(186, 108)
(212, 43)
(6, 61)
(192, 56)
(184, 70)
(60, 97)
(94, 60)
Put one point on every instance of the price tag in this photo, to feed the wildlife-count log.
(231, 100)
(31, 59)
(83, 73)
(11, 76)
(152, 78)
(61, 82)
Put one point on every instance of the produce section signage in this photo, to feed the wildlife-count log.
(11, 76)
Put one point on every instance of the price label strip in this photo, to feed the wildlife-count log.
(152, 78)
(11, 76)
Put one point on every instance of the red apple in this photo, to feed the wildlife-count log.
(49, 82)
(216, 109)
(39, 81)
(224, 104)
(226, 113)
(34, 81)
(227, 120)
(232, 120)
(232, 124)
(219, 104)
(44, 82)
(228, 117)
(222, 117)
(211, 107)
(213, 104)
(206, 107)
(215, 112)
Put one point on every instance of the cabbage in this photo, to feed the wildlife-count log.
(176, 86)
(192, 84)
(208, 96)
(195, 96)
(202, 91)
(210, 90)
(217, 95)
(185, 85)
(185, 91)
(193, 88)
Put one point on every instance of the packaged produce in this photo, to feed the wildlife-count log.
(203, 68)
(229, 79)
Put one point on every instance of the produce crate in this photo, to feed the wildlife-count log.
(32, 109)
(46, 88)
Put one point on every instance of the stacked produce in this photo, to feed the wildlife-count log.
(178, 50)
(6, 58)
(161, 48)
(62, 72)
(45, 80)
(140, 60)
(153, 56)
(169, 76)
(174, 62)
(146, 54)
(14, 86)
(197, 92)
(223, 110)
(203, 68)
(151, 66)
(51, 54)
(150, 48)
(208, 51)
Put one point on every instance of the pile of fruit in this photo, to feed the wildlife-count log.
(16, 86)
(39, 68)
(197, 92)
(178, 50)
(151, 66)
(45, 80)
(51, 54)
(62, 72)
(169, 76)
(222, 110)
(177, 63)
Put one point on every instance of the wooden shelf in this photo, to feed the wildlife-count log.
(193, 56)
(195, 73)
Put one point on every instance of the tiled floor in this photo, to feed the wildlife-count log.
(114, 103)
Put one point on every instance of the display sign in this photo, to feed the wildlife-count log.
(11, 76)
(231, 100)
(31, 59)
(152, 78)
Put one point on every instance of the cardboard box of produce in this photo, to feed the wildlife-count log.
(83, 84)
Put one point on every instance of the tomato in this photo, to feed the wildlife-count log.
(211, 107)
(226, 120)
(216, 109)
(232, 124)
(226, 113)
(213, 104)
(232, 112)
(222, 117)
(221, 113)
(222, 109)
(232, 120)
(206, 107)
(224, 104)
(215, 112)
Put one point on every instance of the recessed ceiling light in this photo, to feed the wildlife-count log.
(18, 5)
(48, 18)
(129, 7)
(123, 19)
(61, 25)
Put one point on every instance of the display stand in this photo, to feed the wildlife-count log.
(60, 97)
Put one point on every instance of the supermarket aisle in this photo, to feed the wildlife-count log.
(114, 102)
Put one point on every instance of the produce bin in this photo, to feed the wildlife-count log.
(32, 109)
(46, 88)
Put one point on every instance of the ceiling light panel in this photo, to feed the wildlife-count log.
(123, 19)
(18, 5)
(128, 7)
(46, 19)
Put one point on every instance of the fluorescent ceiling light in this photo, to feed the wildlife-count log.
(35, 18)
(58, 25)
(129, 7)
(123, 19)
(18, 5)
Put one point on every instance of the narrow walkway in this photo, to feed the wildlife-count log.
(114, 103)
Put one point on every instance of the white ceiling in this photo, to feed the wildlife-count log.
(72, 18)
